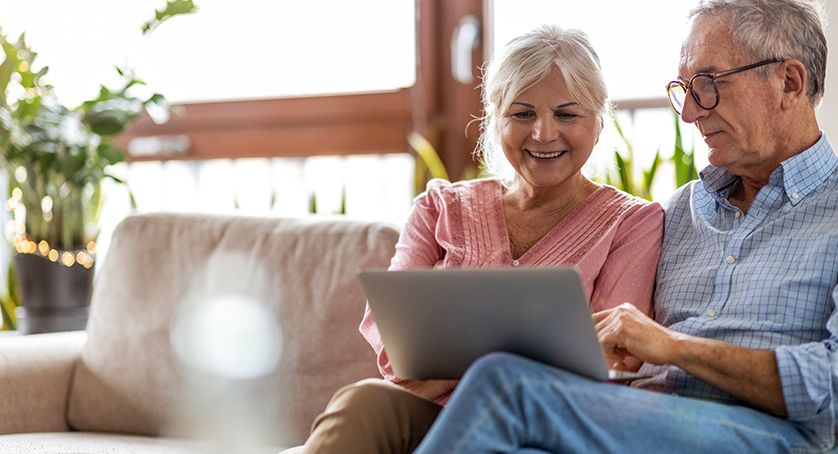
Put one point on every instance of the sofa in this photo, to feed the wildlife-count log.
(206, 334)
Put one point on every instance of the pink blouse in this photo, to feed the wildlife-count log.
(614, 239)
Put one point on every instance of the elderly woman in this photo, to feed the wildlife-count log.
(545, 102)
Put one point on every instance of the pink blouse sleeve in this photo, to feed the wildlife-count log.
(417, 248)
(628, 273)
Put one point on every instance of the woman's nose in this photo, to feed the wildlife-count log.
(545, 131)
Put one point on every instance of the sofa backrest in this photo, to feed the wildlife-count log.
(130, 378)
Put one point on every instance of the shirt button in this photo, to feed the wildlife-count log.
(730, 260)
(711, 314)
(738, 213)
(515, 263)
(794, 195)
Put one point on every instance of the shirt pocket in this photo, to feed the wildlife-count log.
(791, 281)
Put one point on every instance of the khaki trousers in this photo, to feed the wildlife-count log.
(371, 417)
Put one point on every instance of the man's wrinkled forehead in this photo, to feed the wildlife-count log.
(708, 47)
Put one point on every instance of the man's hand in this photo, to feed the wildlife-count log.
(429, 389)
(625, 331)
(751, 375)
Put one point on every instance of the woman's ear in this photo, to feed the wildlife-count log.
(795, 82)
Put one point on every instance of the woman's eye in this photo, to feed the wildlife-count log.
(565, 115)
(522, 115)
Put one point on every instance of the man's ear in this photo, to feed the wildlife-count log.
(795, 82)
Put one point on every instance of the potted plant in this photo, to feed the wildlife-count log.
(56, 159)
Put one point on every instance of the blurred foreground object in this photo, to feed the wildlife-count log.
(177, 299)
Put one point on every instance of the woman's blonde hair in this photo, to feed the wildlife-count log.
(525, 61)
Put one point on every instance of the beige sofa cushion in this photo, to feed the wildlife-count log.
(35, 375)
(97, 443)
(130, 380)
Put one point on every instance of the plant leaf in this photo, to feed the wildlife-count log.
(623, 170)
(173, 8)
(684, 162)
(426, 151)
(649, 176)
(158, 108)
(110, 153)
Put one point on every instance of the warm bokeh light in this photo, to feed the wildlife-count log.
(67, 259)
(23, 245)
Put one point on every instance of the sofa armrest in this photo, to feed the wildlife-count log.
(35, 373)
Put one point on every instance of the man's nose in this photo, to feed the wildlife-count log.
(691, 111)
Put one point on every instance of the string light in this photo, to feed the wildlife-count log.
(85, 257)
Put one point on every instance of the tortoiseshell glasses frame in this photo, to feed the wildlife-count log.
(703, 87)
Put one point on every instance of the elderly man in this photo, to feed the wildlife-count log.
(744, 348)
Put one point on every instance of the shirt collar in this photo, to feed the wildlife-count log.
(800, 174)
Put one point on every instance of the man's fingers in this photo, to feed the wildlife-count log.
(602, 315)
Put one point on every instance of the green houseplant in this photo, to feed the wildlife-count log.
(622, 176)
(56, 159)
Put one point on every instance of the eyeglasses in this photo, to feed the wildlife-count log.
(703, 87)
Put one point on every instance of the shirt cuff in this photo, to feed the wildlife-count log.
(806, 378)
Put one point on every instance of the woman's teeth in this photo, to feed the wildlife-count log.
(546, 155)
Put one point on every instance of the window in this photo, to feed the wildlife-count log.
(638, 44)
(275, 94)
(247, 49)
(281, 81)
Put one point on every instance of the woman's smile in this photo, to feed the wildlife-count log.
(546, 154)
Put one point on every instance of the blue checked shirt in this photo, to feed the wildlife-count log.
(766, 280)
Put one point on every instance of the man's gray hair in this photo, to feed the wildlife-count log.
(783, 29)
(525, 61)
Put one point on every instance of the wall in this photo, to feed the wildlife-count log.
(828, 112)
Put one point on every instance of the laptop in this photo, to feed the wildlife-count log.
(435, 322)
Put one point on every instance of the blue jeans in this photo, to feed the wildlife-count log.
(509, 404)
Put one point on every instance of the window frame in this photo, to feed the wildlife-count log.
(436, 106)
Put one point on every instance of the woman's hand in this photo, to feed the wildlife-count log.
(429, 389)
